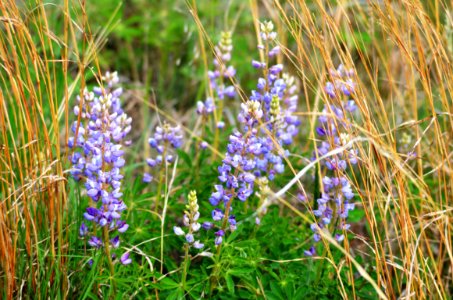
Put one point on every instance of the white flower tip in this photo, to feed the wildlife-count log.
(206, 254)
(178, 230)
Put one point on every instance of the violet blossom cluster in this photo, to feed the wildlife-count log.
(238, 170)
(276, 91)
(165, 141)
(222, 71)
(336, 200)
(98, 158)
(190, 221)
(252, 152)
(219, 78)
(205, 108)
(289, 128)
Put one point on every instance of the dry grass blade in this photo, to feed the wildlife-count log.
(405, 77)
(34, 94)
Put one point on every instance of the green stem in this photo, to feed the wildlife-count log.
(185, 266)
(197, 159)
(216, 142)
(332, 229)
(109, 257)
(161, 180)
(225, 220)
(320, 269)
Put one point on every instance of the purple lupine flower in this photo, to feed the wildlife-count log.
(207, 225)
(220, 125)
(219, 80)
(90, 263)
(165, 141)
(277, 94)
(198, 245)
(189, 238)
(121, 226)
(97, 157)
(288, 127)
(223, 72)
(251, 151)
(95, 242)
(310, 252)
(217, 214)
(258, 64)
(83, 230)
(124, 259)
(219, 237)
(115, 241)
(147, 178)
(205, 108)
(178, 230)
(190, 221)
(337, 191)
(301, 197)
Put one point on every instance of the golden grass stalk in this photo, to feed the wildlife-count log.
(400, 53)
(35, 59)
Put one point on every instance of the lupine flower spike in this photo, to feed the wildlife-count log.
(220, 86)
(97, 161)
(165, 141)
(219, 78)
(336, 201)
(251, 152)
(223, 72)
(190, 221)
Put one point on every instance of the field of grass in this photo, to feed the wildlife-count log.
(260, 149)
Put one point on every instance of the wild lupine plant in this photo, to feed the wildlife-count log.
(219, 78)
(252, 152)
(219, 85)
(165, 141)
(48, 221)
(288, 128)
(190, 221)
(336, 200)
(236, 172)
(204, 110)
(97, 160)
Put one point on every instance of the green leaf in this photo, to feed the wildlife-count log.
(230, 283)
(167, 283)
(175, 294)
(239, 272)
(356, 215)
(185, 157)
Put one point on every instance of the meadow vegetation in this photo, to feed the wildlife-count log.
(259, 149)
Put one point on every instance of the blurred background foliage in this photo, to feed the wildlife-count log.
(155, 44)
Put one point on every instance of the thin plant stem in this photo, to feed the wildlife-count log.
(185, 266)
(161, 181)
(109, 256)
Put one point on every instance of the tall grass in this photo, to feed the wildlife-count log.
(402, 53)
(403, 63)
(43, 47)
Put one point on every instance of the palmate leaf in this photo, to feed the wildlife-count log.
(175, 294)
(166, 284)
